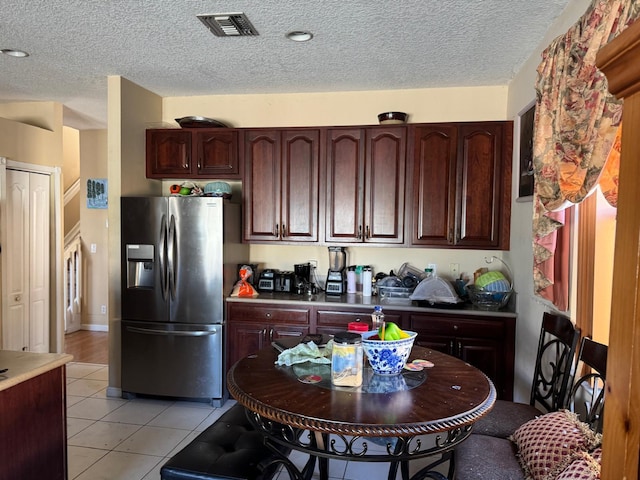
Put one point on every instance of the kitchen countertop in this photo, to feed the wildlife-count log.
(353, 300)
(23, 366)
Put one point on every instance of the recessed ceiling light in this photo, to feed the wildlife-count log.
(14, 53)
(299, 36)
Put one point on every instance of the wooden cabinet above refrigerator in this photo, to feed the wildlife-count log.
(192, 153)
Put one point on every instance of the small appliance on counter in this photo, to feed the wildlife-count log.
(267, 280)
(337, 275)
(285, 282)
(304, 285)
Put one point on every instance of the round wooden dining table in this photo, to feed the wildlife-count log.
(285, 402)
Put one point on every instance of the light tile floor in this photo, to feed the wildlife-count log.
(117, 439)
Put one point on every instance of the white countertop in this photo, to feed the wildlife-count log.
(26, 365)
(353, 300)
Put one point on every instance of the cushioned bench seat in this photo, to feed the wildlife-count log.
(230, 449)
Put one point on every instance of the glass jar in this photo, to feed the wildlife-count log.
(346, 359)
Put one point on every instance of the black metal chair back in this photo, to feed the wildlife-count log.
(586, 397)
(556, 351)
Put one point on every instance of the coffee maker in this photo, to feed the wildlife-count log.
(303, 277)
(337, 275)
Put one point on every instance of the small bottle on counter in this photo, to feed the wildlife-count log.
(377, 318)
(346, 359)
(366, 281)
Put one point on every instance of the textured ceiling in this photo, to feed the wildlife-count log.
(358, 45)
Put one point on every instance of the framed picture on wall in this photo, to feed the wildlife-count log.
(97, 193)
(525, 179)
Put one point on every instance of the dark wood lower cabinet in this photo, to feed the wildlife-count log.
(483, 340)
(486, 342)
(251, 328)
(33, 443)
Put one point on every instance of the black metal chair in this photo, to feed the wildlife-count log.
(586, 397)
(555, 357)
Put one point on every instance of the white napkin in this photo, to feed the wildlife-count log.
(305, 352)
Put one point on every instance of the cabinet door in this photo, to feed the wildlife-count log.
(262, 185)
(244, 338)
(385, 165)
(345, 183)
(300, 185)
(436, 342)
(168, 153)
(217, 153)
(484, 354)
(484, 198)
(434, 161)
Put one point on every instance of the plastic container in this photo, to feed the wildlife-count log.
(366, 281)
(357, 327)
(351, 280)
(377, 318)
(346, 359)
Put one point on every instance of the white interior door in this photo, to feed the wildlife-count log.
(26, 252)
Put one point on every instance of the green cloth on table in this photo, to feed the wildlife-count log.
(305, 352)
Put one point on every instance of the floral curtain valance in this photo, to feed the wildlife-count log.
(576, 126)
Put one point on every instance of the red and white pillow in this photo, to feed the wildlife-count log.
(549, 445)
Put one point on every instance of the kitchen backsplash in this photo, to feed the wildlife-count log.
(380, 259)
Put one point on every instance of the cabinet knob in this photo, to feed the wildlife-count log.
(367, 233)
(277, 230)
(17, 298)
(455, 327)
(359, 232)
(284, 230)
(268, 314)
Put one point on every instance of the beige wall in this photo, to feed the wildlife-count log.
(93, 164)
(530, 308)
(343, 108)
(46, 115)
(131, 109)
(31, 133)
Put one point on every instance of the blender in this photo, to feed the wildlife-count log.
(337, 276)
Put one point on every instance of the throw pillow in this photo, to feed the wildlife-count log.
(546, 445)
(583, 467)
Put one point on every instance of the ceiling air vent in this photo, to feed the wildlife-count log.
(228, 24)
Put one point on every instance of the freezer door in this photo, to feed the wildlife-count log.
(195, 259)
(175, 360)
(144, 236)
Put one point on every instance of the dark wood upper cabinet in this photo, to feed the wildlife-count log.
(484, 184)
(434, 184)
(462, 185)
(217, 154)
(281, 185)
(192, 153)
(365, 185)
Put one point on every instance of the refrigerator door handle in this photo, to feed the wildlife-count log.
(162, 255)
(171, 251)
(181, 333)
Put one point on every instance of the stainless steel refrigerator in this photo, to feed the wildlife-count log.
(180, 259)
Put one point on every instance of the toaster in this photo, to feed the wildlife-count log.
(285, 282)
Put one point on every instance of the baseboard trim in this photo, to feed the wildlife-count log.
(114, 392)
(94, 328)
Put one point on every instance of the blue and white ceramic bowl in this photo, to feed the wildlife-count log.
(387, 357)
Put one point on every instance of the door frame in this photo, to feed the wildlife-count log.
(56, 293)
